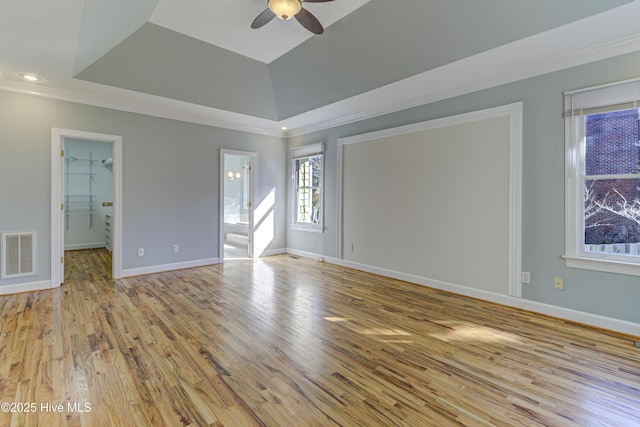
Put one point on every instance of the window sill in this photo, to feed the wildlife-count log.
(308, 228)
(608, 266)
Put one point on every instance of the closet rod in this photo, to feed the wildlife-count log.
(73, 159)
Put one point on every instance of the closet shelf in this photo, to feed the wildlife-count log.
(79, 212)
(76, 159)
(79, 204)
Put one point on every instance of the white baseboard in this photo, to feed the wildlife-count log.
(25, 287)
(84, 246)
(595, 320)
(168, 267)
(272, 252)
(313, 256)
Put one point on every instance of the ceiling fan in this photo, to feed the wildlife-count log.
(287, 9)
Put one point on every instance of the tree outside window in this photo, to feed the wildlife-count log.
(611, 183)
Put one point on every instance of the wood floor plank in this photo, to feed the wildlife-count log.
(286, 341)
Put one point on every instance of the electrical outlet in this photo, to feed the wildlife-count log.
(140, 251)
(176, 249)
(558, 283)
(525, 277)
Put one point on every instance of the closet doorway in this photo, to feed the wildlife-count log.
(86, 208)
(237, 181)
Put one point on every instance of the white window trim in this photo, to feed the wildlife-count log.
(309, 228)
(298, 153)
(614, 96)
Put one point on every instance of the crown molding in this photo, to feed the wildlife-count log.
(533, 57)
(151, 105)
(447, 82)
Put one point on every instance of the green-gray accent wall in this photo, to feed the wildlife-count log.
(612, 295)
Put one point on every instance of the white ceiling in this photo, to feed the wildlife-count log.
(226, 23)
(42, 37)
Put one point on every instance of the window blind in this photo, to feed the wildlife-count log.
(307, 151)
(611, 97)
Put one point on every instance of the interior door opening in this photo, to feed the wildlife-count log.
(237, 204)
(86, 202)
(88, 207)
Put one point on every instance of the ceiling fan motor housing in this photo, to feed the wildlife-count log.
(284, 9)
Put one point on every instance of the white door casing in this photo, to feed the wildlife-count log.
(253, 173)
(57, 208)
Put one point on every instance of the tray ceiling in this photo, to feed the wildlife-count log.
(201, 56)
(225, 23)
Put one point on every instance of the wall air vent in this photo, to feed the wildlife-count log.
(18, 254)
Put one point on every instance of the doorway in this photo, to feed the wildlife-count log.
(88, 206)
(86, 201)
(237, 189)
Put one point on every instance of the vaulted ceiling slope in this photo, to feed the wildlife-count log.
(200, 59)
(382, 43)
(162, 62)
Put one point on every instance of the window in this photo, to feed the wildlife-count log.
(603, 178)
(307, 182)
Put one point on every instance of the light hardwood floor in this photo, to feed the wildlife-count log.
(292, 342)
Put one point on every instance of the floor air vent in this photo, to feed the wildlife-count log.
(18, 254)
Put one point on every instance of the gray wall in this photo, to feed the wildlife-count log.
(170, 178)
(612, 295)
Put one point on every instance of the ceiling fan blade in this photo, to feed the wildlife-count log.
(310, 22)
(265, 17)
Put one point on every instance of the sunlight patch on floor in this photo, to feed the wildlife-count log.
(336, 319)
(462, 331)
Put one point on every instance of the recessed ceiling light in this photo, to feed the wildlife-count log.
(284, 128)
(30, 77)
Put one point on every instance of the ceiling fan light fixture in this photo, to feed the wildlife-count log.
(284, 9)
